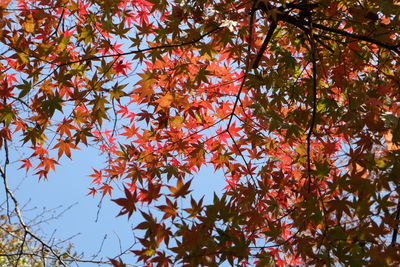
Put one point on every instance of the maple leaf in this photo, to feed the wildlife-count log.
(129, 131)
(4, 3)
(128, 203)
(123, 110)
(47, 163)
(117, 263)
(65, 127)
(385, 20)
(64, 147)
(145, 87)
(27, 165)
(121, 68)
(5, 90)
(5, 133)
(196, 207)
(92, 191)
(106, 188)
(151, 194)
(165, 101)
(98, 177)
(181, 189)
(233, 130)
(42, 174)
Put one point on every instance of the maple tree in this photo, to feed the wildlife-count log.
(297, 102)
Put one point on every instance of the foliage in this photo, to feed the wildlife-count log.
(296, 102)
(18, 249)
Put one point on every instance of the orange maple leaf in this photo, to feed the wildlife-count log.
(4, 3)
(165, 101)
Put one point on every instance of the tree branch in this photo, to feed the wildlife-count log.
(302, 23)
(17, 210)
(267, 39)
(143, 50)
(314, 100)
(282, 15)
(396, 228)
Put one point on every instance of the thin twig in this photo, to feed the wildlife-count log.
(314, 101)
(243, 157)
(253, 10)
(144, 49)
(18, 213)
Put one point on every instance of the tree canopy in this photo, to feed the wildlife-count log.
(296, 102)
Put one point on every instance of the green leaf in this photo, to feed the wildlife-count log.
(25, 88)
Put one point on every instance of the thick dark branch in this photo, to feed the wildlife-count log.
(59, 22)
(301, 24)
(282, 15)
(396, 228)
(267, 39)
(394, 48)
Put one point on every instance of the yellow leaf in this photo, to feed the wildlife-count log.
(24, 57)
(165, 101)
(150, 252)
(29, 24)
(177, 122)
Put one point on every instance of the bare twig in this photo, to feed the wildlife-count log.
(18, 213)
